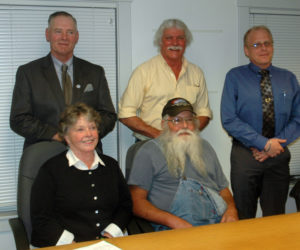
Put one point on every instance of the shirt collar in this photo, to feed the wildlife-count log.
(77, 163)
(58, 63)
(257, 69)
(184, 63)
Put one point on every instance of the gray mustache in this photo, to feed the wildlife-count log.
(184, 130)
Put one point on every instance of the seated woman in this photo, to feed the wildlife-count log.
(79, 195)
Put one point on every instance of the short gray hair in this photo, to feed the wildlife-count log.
(172, 23)
(256, 28)
(61, 13)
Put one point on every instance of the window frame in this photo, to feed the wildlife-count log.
(123, 48)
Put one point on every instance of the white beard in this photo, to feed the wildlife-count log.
(177, 147)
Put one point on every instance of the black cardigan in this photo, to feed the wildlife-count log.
(82, 202)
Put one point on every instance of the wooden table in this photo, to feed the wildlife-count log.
(268, 233)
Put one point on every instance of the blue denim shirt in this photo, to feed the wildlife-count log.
(241, 105)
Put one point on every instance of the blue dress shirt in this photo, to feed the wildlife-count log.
(241, 105)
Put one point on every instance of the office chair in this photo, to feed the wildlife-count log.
(295, 193)
(136, 225)
(33, 157)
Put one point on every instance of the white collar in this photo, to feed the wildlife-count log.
(74, 161)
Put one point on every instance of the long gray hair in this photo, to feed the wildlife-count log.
(172, 23)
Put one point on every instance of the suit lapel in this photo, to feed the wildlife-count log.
(79, 83)
(52, 81)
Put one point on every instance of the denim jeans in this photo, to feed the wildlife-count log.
(195, 203)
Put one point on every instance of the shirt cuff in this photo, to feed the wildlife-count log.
(204, 112)
(127, 112)
(113, 230)
(65, 238)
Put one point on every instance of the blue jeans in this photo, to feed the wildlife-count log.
(195, 203)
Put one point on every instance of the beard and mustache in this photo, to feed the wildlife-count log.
(179, 146)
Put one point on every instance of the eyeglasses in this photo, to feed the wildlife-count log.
(179, 120)
(267, 44)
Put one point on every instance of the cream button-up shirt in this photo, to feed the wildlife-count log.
(153, 83)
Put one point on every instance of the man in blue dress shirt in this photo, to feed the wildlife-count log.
(260, 163)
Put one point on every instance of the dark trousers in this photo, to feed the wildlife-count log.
(251, 180)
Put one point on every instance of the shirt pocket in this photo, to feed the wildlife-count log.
(190, 93)
(285, 102)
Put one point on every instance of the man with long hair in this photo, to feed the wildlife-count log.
(167, 75)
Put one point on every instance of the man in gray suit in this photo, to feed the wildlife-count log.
(38, 97)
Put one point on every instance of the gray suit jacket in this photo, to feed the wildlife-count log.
(38, 98)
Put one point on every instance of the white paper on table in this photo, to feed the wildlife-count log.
(103, 245)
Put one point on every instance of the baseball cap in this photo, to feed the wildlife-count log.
(176, 106)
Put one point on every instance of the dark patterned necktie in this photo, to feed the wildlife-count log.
(267, 105)
(66, 84)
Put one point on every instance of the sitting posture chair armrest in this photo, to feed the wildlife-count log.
(136, 225)
(295, 193)
(139, 225)
(20, 234)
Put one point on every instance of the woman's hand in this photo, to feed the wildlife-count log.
(107, 235)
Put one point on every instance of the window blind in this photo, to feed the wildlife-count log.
(22, 39)
(286, 33)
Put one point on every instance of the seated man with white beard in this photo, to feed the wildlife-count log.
(176, 180)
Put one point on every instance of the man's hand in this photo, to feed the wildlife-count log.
(137, 125)
(56, 137)
(273, 147)
(230, 215)
(260, 156)
(177, 223)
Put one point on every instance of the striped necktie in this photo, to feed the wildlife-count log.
(66, 84)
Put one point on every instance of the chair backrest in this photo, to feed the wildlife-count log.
(130, 156)
(295, 192)
(136, 225)
(33, 157)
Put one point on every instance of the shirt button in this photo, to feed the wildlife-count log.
(97, 224)
(96, 211)
(90, 172)
(95, 198)
(93, 185)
